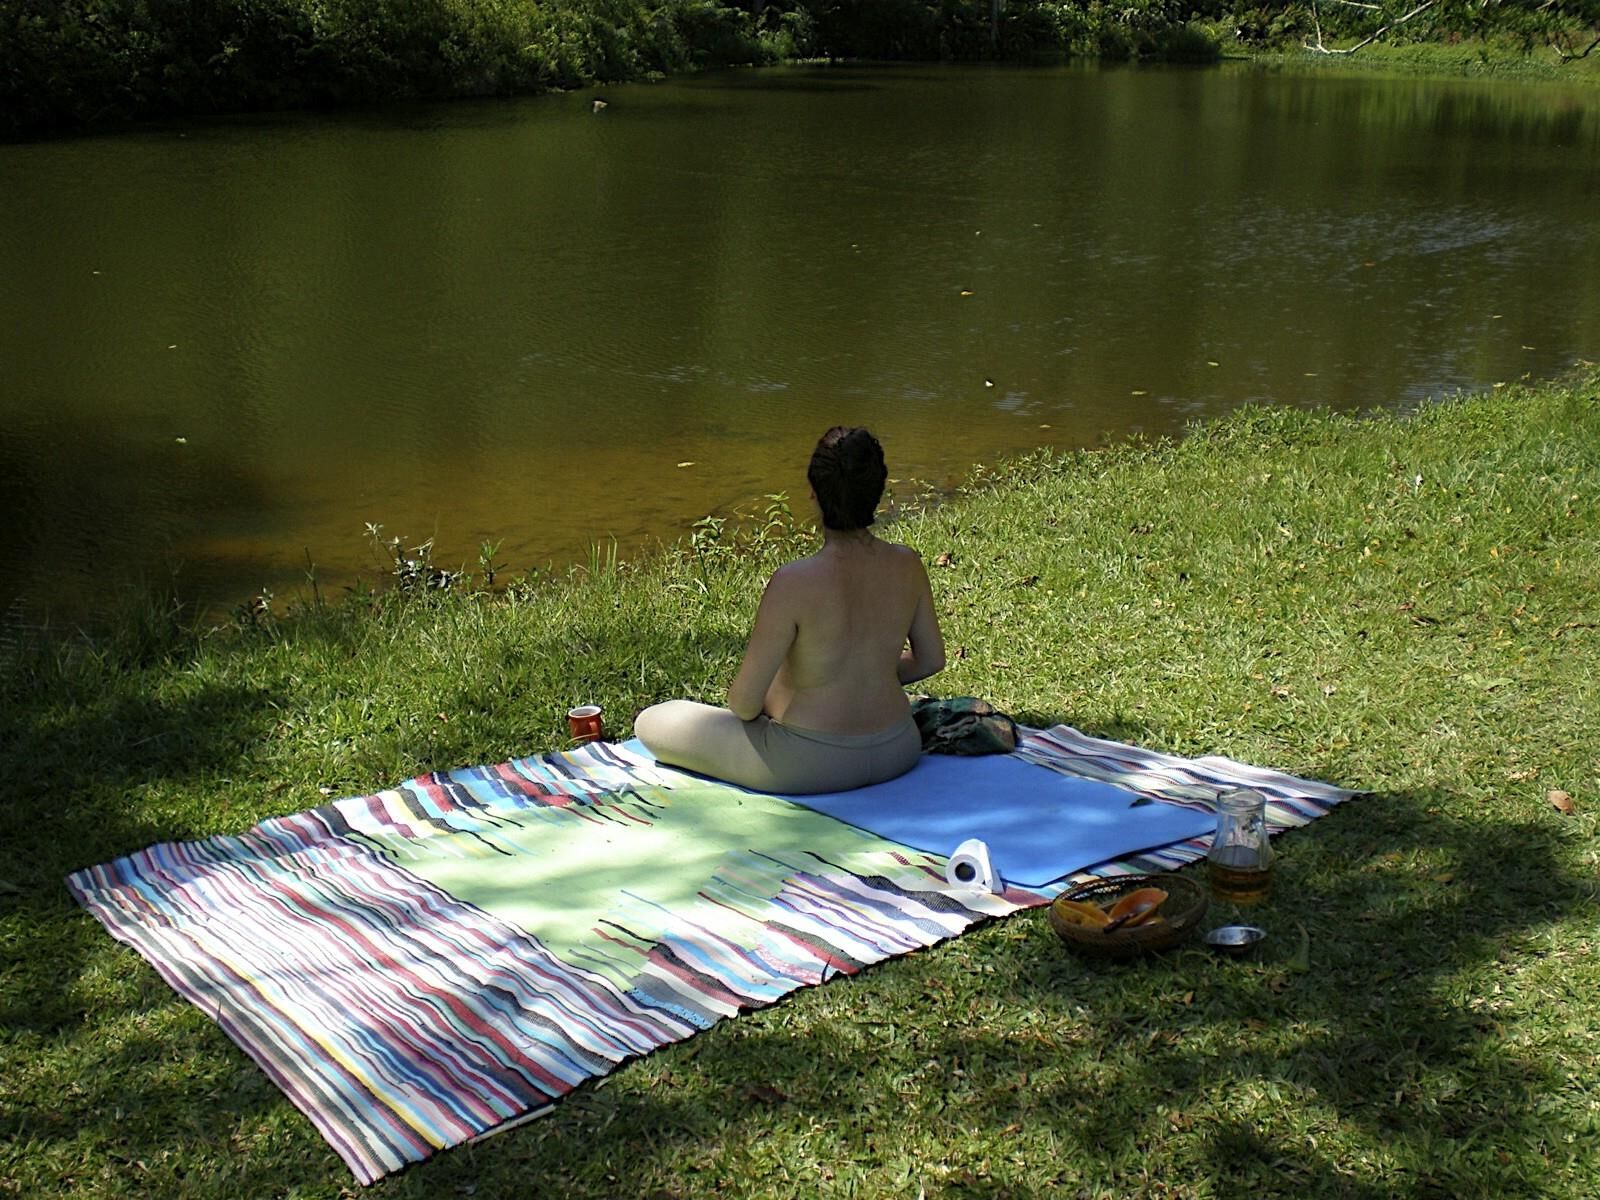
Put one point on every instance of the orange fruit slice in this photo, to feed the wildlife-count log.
(1080, 912)
(1137, 907)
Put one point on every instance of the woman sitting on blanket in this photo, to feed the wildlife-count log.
(818, 704)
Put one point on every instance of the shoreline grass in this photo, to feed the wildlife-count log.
(1473, 59)
(1402, 604)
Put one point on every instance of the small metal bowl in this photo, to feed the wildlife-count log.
(1235, 939)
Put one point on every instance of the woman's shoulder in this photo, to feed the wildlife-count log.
(906, 555)
(795, 575)
(820, 566)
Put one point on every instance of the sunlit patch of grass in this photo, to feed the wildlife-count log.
(1496, 57)
(1402, 605)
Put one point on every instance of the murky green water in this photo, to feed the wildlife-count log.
(229, 344)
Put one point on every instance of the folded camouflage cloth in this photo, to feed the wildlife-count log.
(963, 725)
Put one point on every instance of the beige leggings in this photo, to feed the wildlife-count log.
(771, 757)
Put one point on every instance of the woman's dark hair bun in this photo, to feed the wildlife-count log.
(847, 473)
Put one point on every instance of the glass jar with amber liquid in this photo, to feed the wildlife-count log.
(1239, 862)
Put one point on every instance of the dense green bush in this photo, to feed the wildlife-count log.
(82, 63)
(1190, 42)
(1564, 27)
(884, 29)
(67, 64)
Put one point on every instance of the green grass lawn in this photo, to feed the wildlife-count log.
(1405, 605)
(1498, 58)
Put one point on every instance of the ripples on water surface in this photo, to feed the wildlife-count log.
(514, 320)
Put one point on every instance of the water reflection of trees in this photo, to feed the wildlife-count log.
(93, 516)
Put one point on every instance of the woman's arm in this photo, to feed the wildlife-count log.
(924, 655)
(774, 632)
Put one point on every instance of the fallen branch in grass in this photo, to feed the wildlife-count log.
(1565, 57)
(1320, 48)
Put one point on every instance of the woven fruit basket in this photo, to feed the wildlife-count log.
(1147, 923)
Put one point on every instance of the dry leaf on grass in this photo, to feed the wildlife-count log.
(1560, 801)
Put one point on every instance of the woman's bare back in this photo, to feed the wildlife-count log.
(830, 647)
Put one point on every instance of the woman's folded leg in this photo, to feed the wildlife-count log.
(771, 757)
(707, 739)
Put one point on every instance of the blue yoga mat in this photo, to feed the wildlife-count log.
(1039, 825)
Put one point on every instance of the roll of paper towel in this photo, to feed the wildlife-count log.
(970, 867)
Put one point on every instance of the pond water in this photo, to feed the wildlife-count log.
(227, 346)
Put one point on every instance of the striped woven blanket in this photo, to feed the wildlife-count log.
(422, 966)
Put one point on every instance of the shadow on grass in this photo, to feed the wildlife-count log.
(116, 1064)
(1380, 1070)
(998, 1064)
(92, 778)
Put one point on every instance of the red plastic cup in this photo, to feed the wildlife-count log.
(587, 723)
